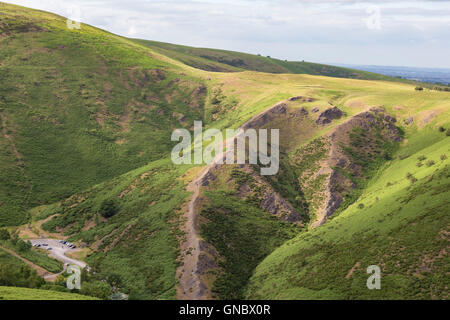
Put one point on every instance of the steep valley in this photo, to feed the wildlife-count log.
(85, 141)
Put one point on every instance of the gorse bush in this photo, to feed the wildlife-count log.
(108, 208)
(4, 234)
(430, 163)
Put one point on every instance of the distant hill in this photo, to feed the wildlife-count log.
(430, 75)
(231, 61)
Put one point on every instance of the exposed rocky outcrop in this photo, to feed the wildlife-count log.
(273, 203)
(328, 115)
(301, 98)
(261, 119)
(409, 120)
(366, 129)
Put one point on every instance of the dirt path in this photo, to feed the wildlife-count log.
(40, 271)
(191, 286)
(11, 141)
(17, 154)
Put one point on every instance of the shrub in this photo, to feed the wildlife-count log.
(97, 289)
(421, 158)
(447, 133)
(23, 246)
(361, 206)
(430, 163)
(411, 178)
(443, 157)
(441, 129)
(108, 208)
(419, 164)
(419, 88)
(403, 156)
(4, 234)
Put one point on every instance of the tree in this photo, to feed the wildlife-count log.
(97, 289)
(108, 208)
(4, 234)
(419, 88)
(23, 246)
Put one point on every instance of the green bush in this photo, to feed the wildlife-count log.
(443, 157)
(430, 163)
(97, 289)
(4, 234)
(419, 88)
(421, 158)
(23, 246)
(108, 208)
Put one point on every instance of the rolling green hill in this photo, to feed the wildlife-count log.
(231, 61)
(78, 107)
(86, 120)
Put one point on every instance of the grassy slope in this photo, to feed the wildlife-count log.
(79, 107)
(15, 293)
(147, 268)
(37, 256)
(140, 243)
(230, 61)
(403, 228)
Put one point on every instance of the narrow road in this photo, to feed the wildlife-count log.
(58, 251)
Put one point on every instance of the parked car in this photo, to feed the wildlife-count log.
(45, 244)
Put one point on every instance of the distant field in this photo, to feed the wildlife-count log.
(433, 75)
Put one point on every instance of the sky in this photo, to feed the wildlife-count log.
(373, 32)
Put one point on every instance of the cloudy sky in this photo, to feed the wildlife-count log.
(376, 32)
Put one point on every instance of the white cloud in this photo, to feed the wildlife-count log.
(319, 30)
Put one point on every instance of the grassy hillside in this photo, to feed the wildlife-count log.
(14, 293)
(86, 118)
(400, 223)
(78, 107)
(231, 61)
(37, 256)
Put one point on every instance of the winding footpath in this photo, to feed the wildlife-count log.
(190, 284)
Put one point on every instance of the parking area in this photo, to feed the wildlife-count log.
(57, 249)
